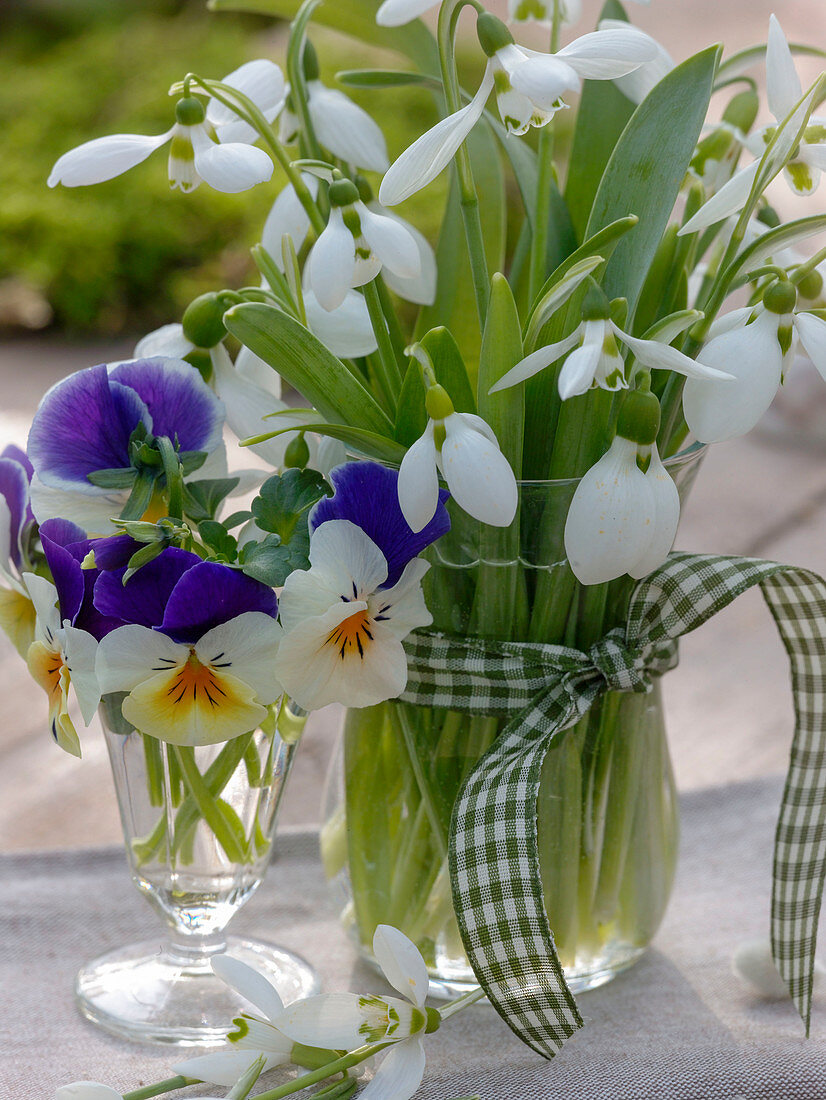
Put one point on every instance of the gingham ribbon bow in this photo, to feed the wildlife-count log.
(544, 689)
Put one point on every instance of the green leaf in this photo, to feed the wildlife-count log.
(202, 499)
(385, 78)
(449, 367)
(364, 442)
(783, 236)
(271, 562)
(411, 418)
(356, 18)
(602, 116)
(559, 292)
(647, 168)
(504, 411)
(285, 499)
(114, 478)
(743, 60)
(307, 365)
(669, 328)
(215, 536)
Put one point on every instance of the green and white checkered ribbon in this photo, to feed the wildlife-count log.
(544, 689)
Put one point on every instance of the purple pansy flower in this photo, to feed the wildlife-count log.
(17, 615)
(66, 547)
(197, 656)
(367, 494)
(345, 618)
(84, 424)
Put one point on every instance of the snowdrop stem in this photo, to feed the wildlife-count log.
(802, 270)
(298, 84)
(354, 1058)
(461, 1002)
(545, 159)
(234, 846)
(469, 200)
(388, 364)
(245, 108)
(393, 326)
(159, 1088)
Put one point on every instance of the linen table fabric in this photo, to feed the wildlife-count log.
(678, 1026)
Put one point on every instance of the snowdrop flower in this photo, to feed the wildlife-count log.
(542, 11)
(464, 449)
(60, 657)
(194, 155)
(529, 88)
(84, 424)
(395, 13)
(255, 1036)
(624, 514)
(288, 218)
(802, 172)
(17, 615)
(355, 245)
(344, 619)
(347, 1020)
(637, 84)
(261, 81)
(593, 358)
(196, 657)
(755, 355)
(88, 1090)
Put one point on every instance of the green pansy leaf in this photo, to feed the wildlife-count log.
(215, 536)
(202, 499)
(284, 500)
(114, 478)
(271, 562)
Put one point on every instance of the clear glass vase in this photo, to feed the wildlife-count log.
(607, 811)
(199, 825)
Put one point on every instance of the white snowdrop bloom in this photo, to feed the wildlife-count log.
(288, 218)
(194, 155)
(802, 172)
(542, 11)
(255, 1036)
(624, 514)
(355, 245)
(593, 356)
(637, 84)
(347, 1020)
(88, 1090)
(395, 13)
(756, 355)
(465, 450)
(529, 88)
(261, 81)
(421, 287)
(346, 331)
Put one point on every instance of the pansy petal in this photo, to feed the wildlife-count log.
(17, 619)
(132, 654)
(224, 1067)
(250, 984)
(730, 199)
(331, 263)
(346, 331)
(477, 473)
(433, 151)
(232, 167)
(402, 963)
(288, 218)
(391, 242)
(91, 511)
(81, 650)
(604, 55)
(538, 360)
(247, 645)
(783, 88)
(349, 559)
(103, 158)
(209, 594)
(17, 454)
(64, 567)
(144, 597)
(83, 424)
(402, 608)
(179, 401)
(367, 494)
(14, 489)
(395, 13)
(400, 1073)
(44, 597)
(345, 129)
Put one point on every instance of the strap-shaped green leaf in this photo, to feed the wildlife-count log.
(647, 168)
(306, 364)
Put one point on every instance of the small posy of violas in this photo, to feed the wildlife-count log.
(641, 299)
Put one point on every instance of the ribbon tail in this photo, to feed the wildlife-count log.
(493, 856)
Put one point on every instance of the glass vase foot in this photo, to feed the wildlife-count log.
(155, 993)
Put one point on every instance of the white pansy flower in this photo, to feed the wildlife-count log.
(194, 155)
(343, 631)
(255, 1036)
(465, 450)
(529, 88)
(756, 355)
(355, 245)
(347, 1021)
(624, 514)
(593, 357)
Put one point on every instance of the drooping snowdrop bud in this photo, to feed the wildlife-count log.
(194, 155)
(464, 449)
(529, 87)
(624, 514)
(593, 358)
(354, 247)
(754, 355)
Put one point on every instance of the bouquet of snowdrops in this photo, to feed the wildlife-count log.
(638, 292)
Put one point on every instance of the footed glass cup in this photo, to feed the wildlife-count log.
(199, 825)
(607, 808)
